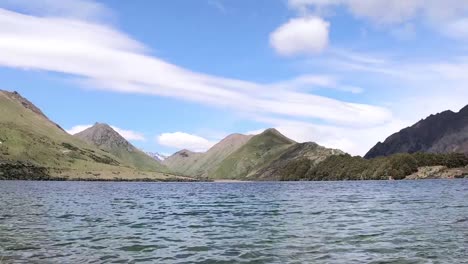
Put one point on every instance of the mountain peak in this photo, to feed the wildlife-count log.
(231, 139)
(104, 136)
(275, 133)
(271, 130)
(102, 125)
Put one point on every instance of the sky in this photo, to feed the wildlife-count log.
(178, 74)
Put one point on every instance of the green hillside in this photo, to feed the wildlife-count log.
(258, 152)
(183, 162)
(200, 165)
(28, 139)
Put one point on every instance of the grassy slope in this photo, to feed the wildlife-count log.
(140, 160)
(200, 165)
(183, 161)
(212, 159)
(257, 153)
(30, 137)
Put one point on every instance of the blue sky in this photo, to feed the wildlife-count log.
(184, 74)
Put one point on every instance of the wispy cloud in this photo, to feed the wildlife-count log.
(108, 59)
(447, 17)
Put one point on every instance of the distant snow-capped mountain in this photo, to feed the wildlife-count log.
(157, 156)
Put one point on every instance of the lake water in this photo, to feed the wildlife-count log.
(277, 222)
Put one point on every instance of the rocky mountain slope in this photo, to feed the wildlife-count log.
(33, 146)
(445, 132)
(106, 138)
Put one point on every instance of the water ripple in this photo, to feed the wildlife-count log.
(326, 222)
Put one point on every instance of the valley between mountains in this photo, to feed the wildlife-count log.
(32, 147)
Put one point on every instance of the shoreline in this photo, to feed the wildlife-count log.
(229, 181)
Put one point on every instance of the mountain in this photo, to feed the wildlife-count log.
(34, 147)
(445, 132)
(247, 157)
(106, 138)
(202, 164)
(255, 154)
(157, 156)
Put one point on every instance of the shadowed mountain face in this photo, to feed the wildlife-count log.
(441, 133)
(106, 138)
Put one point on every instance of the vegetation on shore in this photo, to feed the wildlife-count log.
(347, 167)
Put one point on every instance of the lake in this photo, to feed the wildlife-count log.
(259, 222)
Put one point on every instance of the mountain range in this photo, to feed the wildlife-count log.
(34, 147)
(246, 157)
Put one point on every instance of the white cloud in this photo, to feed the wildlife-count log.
(181, 140)
(304, 35)
(127, 134)
(107, 59)
(77, 129)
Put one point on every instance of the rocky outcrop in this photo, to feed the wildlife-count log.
(438, 172)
